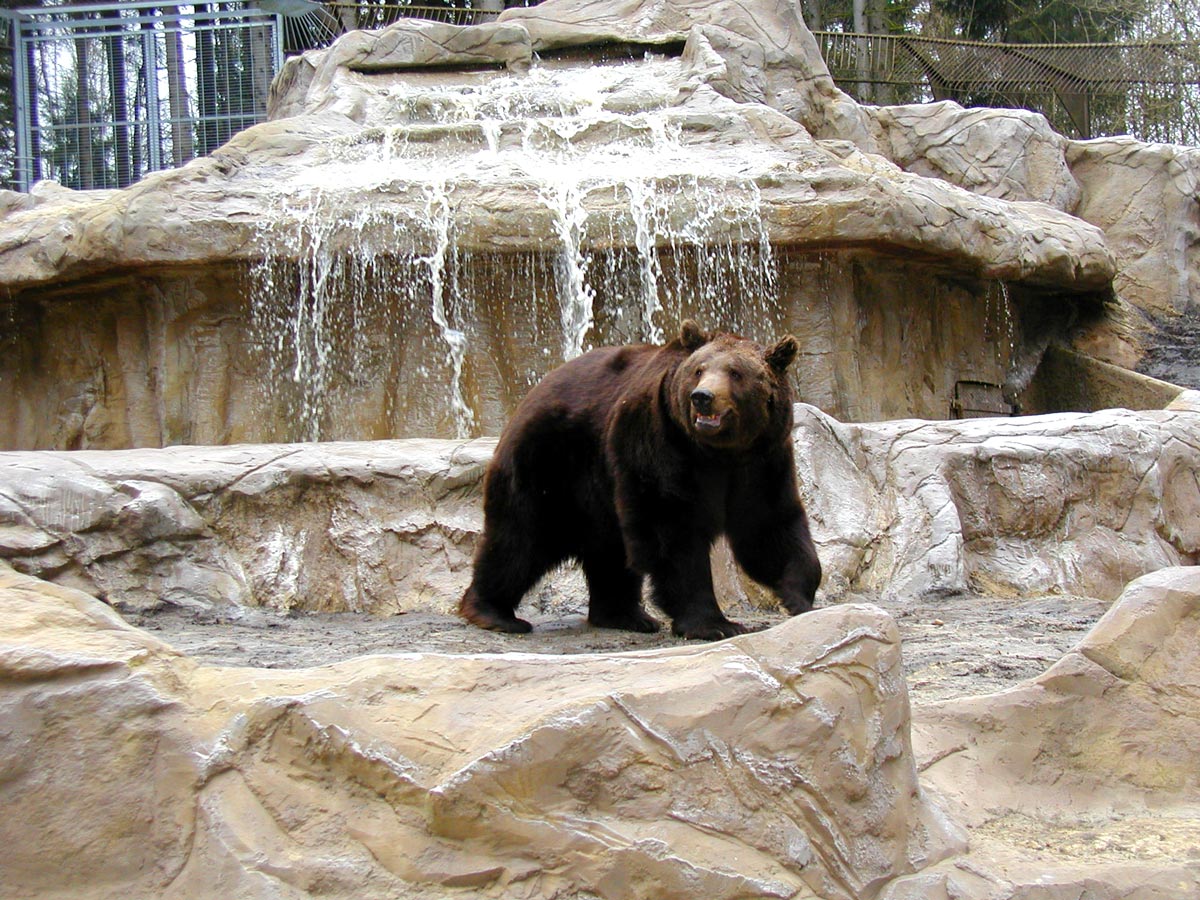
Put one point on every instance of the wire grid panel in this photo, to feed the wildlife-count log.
(1150, 89)
(105, 94)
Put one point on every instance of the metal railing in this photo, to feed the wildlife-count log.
(103, 94)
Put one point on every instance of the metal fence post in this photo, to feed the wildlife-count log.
(24, 161)
(153, 112)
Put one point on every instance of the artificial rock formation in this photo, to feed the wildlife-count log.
(1082, 779)
(1021, 506)
(1143, 197)
(330, 103)
(1049, 504)
(773, 765)
(407, 220)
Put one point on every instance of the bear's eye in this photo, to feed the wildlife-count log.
(736, 376)
(699, 371)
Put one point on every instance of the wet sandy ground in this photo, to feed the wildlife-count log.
(952, 647)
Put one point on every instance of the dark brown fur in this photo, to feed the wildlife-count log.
(633, 460)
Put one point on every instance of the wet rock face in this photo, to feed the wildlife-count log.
(771, 764)
(181, 356)
(389, 255)
(1054, 504)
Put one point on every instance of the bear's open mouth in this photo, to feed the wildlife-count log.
(708, 423)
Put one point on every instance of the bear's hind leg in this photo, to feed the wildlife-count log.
(615, 594)
(503, 574)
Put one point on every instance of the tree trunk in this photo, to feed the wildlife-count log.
(119, 93)
(206, 89)
(85, 153)
(862, 55)
(182, 144)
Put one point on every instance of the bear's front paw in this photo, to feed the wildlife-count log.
(507, 624)
(709, 630)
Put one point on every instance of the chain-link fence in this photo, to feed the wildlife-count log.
(1149, 89)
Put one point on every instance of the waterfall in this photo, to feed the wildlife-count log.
(638, 214)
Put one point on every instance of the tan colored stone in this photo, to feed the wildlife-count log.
(776, 764)
(1186, 401)
(1047, 504)
(393, 227)
(319, 79)
(229, 207)
(203, 355)
(1074, 504)
(383, 527)
(1086, 773)
(1007, 153)
(1144, 198)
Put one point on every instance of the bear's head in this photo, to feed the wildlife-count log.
(729, 392)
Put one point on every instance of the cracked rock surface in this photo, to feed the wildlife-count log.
(455, 762)
(1070, 503)
(773, 765)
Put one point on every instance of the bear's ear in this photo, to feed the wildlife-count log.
(691, 336)
(781, 355)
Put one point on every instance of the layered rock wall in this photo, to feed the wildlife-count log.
(1143, 196)
(182, 356)
(1067, 503)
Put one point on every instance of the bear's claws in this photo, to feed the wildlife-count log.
(491, 619)
(709, 631)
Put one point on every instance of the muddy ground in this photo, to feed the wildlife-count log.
(1172, 350)
(952, 647)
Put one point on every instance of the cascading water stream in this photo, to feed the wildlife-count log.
(438, 215)
(604, 152)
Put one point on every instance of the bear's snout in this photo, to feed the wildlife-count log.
(702, 400)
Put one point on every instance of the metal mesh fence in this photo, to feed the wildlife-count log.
(1149, 89)
(105, 94)
(101, 93)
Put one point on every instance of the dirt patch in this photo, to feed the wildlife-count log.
(1164, 838)
(952, 647)
(1171, 350)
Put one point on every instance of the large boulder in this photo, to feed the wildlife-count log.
(383, 527)
(1144, 197)
(1065, 503)
(1007, 153)
(774, 765)
(1084, 777)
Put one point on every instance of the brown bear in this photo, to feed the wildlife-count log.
(633, 460)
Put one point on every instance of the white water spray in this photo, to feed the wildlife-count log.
(630, 186)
